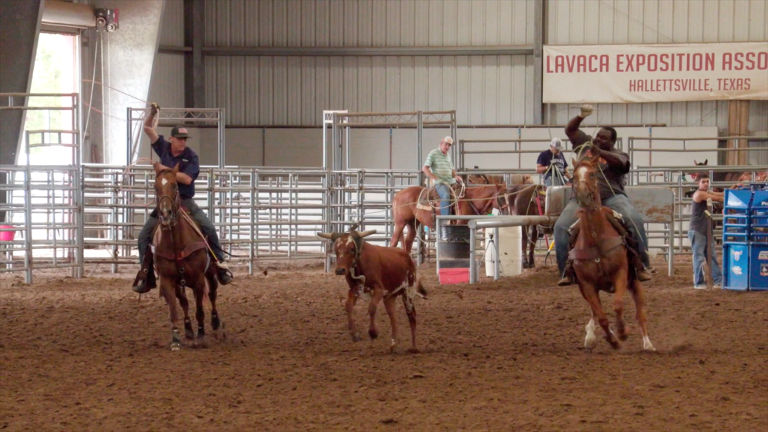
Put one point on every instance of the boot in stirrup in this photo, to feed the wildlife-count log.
(223, 273)
(145, 279)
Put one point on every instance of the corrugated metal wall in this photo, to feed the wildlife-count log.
(167, 86)
(368, 23)
(295, 90)
(589, 22)
(484, 90)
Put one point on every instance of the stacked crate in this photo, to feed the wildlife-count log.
(745, 239)
(736, 239)
(758, 241)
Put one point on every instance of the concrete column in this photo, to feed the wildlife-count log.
(124, 69)
(19, 29)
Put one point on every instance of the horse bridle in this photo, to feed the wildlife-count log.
(592, 187)
(175, 202)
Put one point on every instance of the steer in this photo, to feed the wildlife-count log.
(379, 273)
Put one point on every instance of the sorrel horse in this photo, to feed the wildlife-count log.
(600, 258)
(499, 179)
(477, 200)
(182, 260)
(527, 200)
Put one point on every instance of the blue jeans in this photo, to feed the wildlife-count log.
(145, 236)
(619, 203)
(699, 249)
(444, 191)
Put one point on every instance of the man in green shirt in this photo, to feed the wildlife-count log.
(439, 168)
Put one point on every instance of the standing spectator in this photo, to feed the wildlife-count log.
(697, 234)
(552, 164)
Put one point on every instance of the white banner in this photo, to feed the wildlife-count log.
(655, 73)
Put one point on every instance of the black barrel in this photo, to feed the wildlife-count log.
(454, 242)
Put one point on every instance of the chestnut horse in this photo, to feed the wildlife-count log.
(527, 200)
(182, 260)
(499, 179)
(477, 200)
(600, 258)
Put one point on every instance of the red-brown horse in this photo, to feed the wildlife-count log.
(477, 200)
(182, 260)
(600, 259)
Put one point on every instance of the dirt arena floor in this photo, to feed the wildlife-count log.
(507, 355)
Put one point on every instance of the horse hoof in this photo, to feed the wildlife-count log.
(413, 350)
(356, 337)
(590, 343)
(215, 323)
(189, 334)
(175, 346)
(201, 342)
(647, 345)
(373, 334)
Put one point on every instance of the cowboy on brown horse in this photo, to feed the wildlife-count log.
(439, 168)
(171, 154)
(611, 180)
(600, 255)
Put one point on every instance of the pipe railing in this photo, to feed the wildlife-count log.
(497, 222)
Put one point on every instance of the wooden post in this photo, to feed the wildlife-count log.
(708, 250)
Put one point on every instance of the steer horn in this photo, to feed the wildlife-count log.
(329, 236)
(365, 233)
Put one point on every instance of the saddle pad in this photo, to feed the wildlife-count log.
(426, 198)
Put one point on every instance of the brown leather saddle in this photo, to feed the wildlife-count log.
(429, 199)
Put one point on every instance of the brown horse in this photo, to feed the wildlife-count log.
(182, 260)
(527, 200)
(600, 259)
(477, 200)
(499, 179)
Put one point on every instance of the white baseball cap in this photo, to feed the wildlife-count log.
(557, 143)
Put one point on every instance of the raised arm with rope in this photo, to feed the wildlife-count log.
(611, 183)
(171, 154)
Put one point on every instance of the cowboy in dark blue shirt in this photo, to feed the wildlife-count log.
(552, 164)
(172, 153)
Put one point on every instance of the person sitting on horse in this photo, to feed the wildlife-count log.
(439, 168)
(551, 163)
(611, 181)
(171, 154)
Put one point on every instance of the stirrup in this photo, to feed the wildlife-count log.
(644, 275)
(223, 273)
(565, 281)
(142, 287)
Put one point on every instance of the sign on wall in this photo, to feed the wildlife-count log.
(655, 73)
